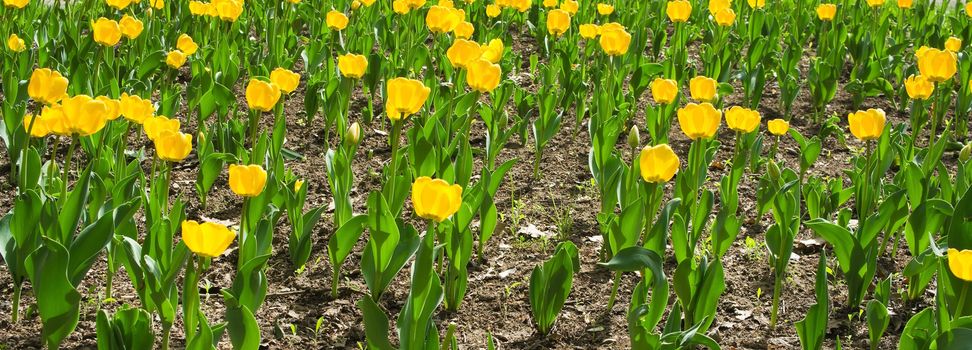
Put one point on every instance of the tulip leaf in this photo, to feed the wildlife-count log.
(58, 302)
(376, 325)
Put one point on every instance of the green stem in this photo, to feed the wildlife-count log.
(166, 331)
(960, 306)
(15, 308)
(190, 299)
(394, 140)
(777, 288)
(614, 291)
(67, 167)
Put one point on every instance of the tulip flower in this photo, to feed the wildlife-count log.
(55, 120)
(756, 4)
(968, 9)
(285, 79)
(867, 125)
(173, 146)
(352, 66)
(918, 87)
(699, 120)
(441, 19)
(353, 136)
(228, 10)
(262, 96)
(186, 44)
(725, 18)
(435, 199)
(658, 164)
(157, 4)
(589, 31)
(615, 42)
(492, 11)
(960, 263)
(464, 30)
(937, 65)
(742, 120)
(47, 86)
(558, 21)
(483, 76)
(605, 9)
(155, 126)
(37, 125)
(778, 127)
(130, 26)
(175, 59)
(136, 109)
(463, 52)
(113, 105)
(522, 5)
(15, 43)
(405, 97)
(400, 7)
(84, 115)
(826, 12)
(875, 3)
(208, 239)
(678, 10)
(367, 3)
(905, 4)
(247, 180)
(493, 52)
(716, 6)
(106, 32)
(664, 91)
(953, 44)
(336, 20)
(17, 4)
(703, 89)
(570, 6)
(550, 3)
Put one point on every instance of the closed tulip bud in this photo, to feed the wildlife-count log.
(570, 6)
(483, 76)
(875, 3)
(756, 4)
(355, 5)
(175, 59)
(634, 137)
(664, 91)
(173, 146)
(208, 240)
(492, 10)
(15, 43)
(186, 44)
(605, 9)
(405, 97)
(336, 20)
(703, 89)
(966, 152)
(658, 164)
(114, 106)
(716, 6)
(726, 17)
(247, 180)
(550, 3)
(130, 26)
(699, 120)
(678, 10)
(135, 108)
(353, 136)
(37, 126)
(352, 66)
(118, 4)
(106, 32)
(773, 170)
(462, 52)
(47, 86)
(435, 199)
(918, 87)
(905, 4)
(953, 44)
(826, 12)
(85, 115)
(262, 96)
(493, 52)
(558, 22)
(867, 125)
(960, 263)
(464, 30)
(742, 119)
(441, 19)
(615, 42)
(228, 10)
(155, 126)
(589, 31)
(937, 65)
(778, 127)
(285, 79)
(17, 4)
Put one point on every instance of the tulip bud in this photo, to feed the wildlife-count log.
(773, 170)
(634, 137)
(966, 152)
(354, 134)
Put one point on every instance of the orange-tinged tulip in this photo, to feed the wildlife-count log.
(960, 263)
(47, 86)
(262, 96)
(699, 120)
(756, 4)
(589, 31)
(464, 30)
(247, 180)
(405, 97)
(441, 19)
(558, 21)
(483, 76)
(716, 6)
(130, 26)
(17, 4)
(937, 65)
(703, 88)
(918, 87)
(175, 59)
(135, 108)
(37, 126)
(352, 66)
(435, 199)
(208, 239)
(285, 79)
(492, 10)
(463, 52)
(173, 146)
(605, 9)
(778, 127)
(493, 52)
(615, 42)
(186, 44)
(85, 115)
(953, 44)
(571, 6)
(336, 20)
(15, 43)
(658, 164)
(867, 125)
(678, 10)
(826, 12)
(725, 18)
(118, 4)
(155, 126)
(742, 120)
(664, 91)
(106, 32)
(114, 106)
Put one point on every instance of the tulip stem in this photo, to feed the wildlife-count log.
(254, 123)
(190, 298)
(393, 173)
(50, 166)
(778, 285)
(15, 307)
(960, 305)
(614, 291)
(67, 167)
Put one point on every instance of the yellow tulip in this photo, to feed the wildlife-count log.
(47, 86)
(435, 199)
(875, 3)
(15, 43)
(186, 44)
(589, 31)
(558, 21)
(353, 136)
(483, 76)
(355, 5)
(826, 12)
(493, 52)
(462, 52)
(367, 3)
(114, 106)
(726, 17)
(446, 3)
(742, 120)
(118, 4)
(442, 19)
(550, 3)
(756, 4)
(464, 30)
(960, 263)
(136, 109)
(615, 42)
(352, 66)
(703, 89)
(175, 59)
(570, 6)
(336, 20)
(285, 79)
(492, 10)
(522, 5)
(678, 10)
(905, 4)
(106, 32)
(247, 180)
(262, 96)
(17, 4)
(39, 128)
(130, 26)
(953, 44)
(968, 9)
(228, 10)
(173, 146)
(664, 91)
(778, 127)
(605, 9)
(658, 164)
(867, 125)
(208, 239)
(157, 4)
(155, 126)
(400, 7)
(716, 6)
(55, 120)
(405, 97)
(198, 8)
(699, 120)
(937, 65)
(84, 115)
(918, 87)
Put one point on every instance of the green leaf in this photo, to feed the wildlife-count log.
(376, 325)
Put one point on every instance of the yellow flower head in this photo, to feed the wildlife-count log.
(664, 91)
(960, 263)
(84, 115)
(605, 9)
(778, 127)
(826, 12)
(725, 18)
(558, 22)
(106, 32)
(867, 125)
(173, 146)
(130, 26)
(118, 4)
(953, 44)
(482, 75)
(186, 44)
(208, 239)
(336, 20)
(17, 4)
(464, 30)
(462, 52)
(175, 59)
(352, 66)
(135, 108)
(614, 40)
(47, 86)
(570, 6)
(247, 180)
(589, 31)
(285, 79)
(703, 89)
(442, 19)
(156, 125)
(15, 43)
(113, 105)
(37, 126)
(699, 120)
(742, 120)
(658, 164)
(756, 4)
(405, 97)
(716, 6)
(435, 199)
(678, 10)
(492, 11)
(262, 96)
(937, 65)
(918, 87)
(493, 52)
